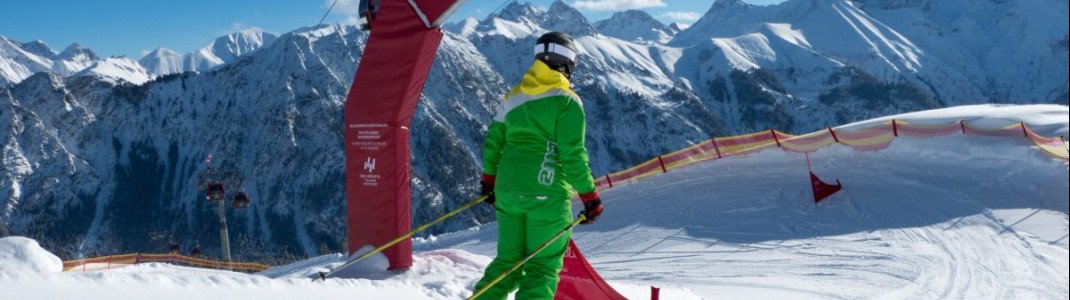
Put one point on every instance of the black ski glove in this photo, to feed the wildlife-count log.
(487, 188)
(591, 210)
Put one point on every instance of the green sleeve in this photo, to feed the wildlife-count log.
(571, 148)
(492, 147)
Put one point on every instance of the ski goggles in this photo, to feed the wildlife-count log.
(559, 49)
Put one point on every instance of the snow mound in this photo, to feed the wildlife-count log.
(20, 254)
(1046, 120)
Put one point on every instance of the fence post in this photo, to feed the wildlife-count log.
(834, 138)
(1025, 132)
(895, 128)
(775, 138)
(1063, 138)
(608, 180)
(715, 147)
(663, 170)
(109, 262)
(84, 262)
(962, 124)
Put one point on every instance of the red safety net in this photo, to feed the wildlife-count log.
(1017, 130)
(872, 138)
(869, 139)
(928, 131)
(579, 281)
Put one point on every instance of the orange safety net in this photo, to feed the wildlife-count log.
(869, 139)
(107, 262)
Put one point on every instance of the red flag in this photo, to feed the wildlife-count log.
(579, 281)
(821, 189)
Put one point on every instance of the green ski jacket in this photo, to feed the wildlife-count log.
(535, 144)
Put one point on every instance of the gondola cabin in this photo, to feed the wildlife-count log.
(216, 191)
(241, 200)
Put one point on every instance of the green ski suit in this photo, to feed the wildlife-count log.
(535, 156)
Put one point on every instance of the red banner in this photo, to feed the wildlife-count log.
(379, 108)
(579, 281)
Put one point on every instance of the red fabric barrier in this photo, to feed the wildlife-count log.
(378, 111)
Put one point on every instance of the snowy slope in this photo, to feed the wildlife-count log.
(117, 69)
(795, 67)
(951, 218)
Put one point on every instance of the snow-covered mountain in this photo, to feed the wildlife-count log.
(223, 50)
(91, 165)
(636, 25)
(163, 61)
(20, 60)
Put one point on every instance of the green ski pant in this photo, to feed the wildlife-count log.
(524, 224)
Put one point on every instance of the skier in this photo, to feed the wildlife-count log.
(534, 155)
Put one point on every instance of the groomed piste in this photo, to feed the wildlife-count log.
(956, 216)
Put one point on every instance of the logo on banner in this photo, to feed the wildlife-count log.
(549, 164)
(369, 165)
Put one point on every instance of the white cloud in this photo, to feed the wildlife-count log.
(684, 16)
(344, 7)
(617, 4)
(238, 26)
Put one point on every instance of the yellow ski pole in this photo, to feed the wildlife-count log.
(403, 237)
(529, 257)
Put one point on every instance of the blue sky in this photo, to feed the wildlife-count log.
(132, 27)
